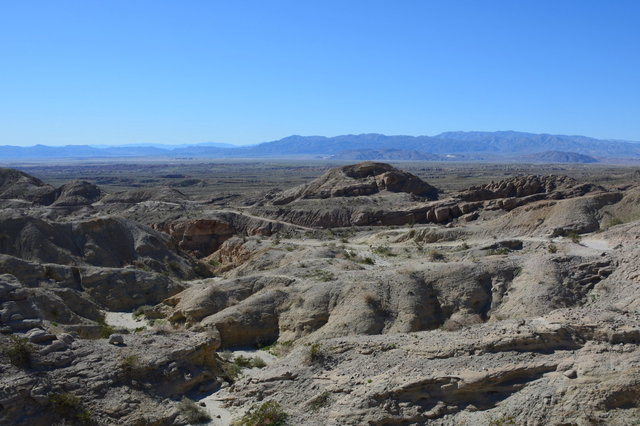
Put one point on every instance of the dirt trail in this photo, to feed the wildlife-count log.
(214, 403)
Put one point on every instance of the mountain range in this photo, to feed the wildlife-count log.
(449, 146)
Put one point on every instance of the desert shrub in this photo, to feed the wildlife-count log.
(501, 421)
(245, 362)
(242, 361)
(226, 355)
(321, 275)
(130, 362)
(384, 251)
(315, 353)
(19, 351)
(366, 261)
(257, 362)
(193, 413)
(269, 413)
(573, 236)
(132, 368)
(435, 255)
(280, 348)
(142, 311)
(69, 406)
(498, 251)
(552, 248)
(213, 262)
(614, 221)
(106, 331)
(231, 372)
(320, 401)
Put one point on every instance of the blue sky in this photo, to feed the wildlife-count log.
(120, 72)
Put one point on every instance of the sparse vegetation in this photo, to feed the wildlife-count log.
(142, 311)
(69, 407)
(269, 413)
(320, 275)
(245, 362)
(573, 236)
(384, 251)
(436, 256)
(279, 348)
(366, 260)
(193, 413)
(226, 355)
(613, 221)
(498, 251)
(315, 353)
(320, 401)
(552, 248)
(19, 351)
(231, 372)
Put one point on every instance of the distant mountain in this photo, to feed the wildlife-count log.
(453, 145)
(385, 154)
(500, 143)
(558, 157)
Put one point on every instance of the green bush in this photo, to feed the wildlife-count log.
(269, 413)
(19, 351)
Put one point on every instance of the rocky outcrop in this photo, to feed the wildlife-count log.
(107, 242)
(133, 196)
(556, 187)
(360, 179)
(200, 237)
(15, 184)
(538, 371)
(77, 193)
(75, 381)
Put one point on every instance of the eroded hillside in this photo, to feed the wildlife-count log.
(386, 301)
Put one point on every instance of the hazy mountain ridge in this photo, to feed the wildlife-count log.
(503, 143)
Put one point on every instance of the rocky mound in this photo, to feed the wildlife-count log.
(15, 184)
(360, 179)
(77, 193)
(134, 196)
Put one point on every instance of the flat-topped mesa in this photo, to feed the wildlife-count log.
(524, 186)
(360, 179)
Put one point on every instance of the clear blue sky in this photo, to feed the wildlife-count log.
(117, 72)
